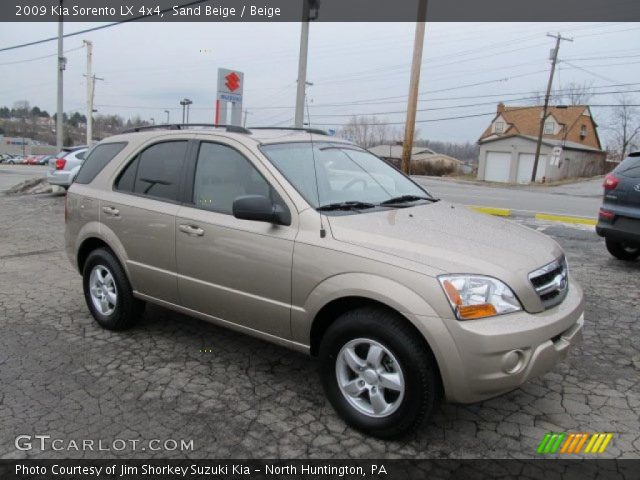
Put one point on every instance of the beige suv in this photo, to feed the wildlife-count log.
(311, 242)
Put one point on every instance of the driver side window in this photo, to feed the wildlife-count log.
(224, 174)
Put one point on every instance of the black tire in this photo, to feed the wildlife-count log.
(127, 309)
(621, 250)
(422, 389)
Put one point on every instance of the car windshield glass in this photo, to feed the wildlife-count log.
(630, 167)
(344, 174)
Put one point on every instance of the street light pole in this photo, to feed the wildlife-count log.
(307, 15)
(61, 67)
(90, 85)
(543, 116)
(414, 83)
(167, 112)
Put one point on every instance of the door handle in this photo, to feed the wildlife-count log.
(112, 211)
(191, 230)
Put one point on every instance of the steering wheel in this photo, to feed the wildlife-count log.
(354, 182)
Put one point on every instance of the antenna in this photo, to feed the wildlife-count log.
(323, 232)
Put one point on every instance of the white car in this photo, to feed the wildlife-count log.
(65, 166)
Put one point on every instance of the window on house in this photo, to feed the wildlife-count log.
(549, 128)
(499, 128)
(583, 131)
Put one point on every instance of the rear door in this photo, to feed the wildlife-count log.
(234, 270)
(141, 210)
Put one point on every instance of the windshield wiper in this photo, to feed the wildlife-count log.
(405, 199)
(352, 205)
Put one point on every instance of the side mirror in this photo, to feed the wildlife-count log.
(260, 209)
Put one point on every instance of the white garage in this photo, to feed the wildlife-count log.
(525, 167)
(497, 167)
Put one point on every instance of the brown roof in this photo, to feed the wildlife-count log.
(526, 121)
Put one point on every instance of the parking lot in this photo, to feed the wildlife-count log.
(173, 377)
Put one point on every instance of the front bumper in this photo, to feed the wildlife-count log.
(62, 178)
(498, 354)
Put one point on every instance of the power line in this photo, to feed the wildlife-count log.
(40, 58)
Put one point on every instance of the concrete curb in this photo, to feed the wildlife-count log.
(506, 212)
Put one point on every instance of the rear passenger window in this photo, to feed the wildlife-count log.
(97, 160)
(156, 172)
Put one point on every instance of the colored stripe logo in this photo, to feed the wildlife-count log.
(573, 443)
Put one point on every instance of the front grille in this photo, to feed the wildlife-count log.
(551, 282)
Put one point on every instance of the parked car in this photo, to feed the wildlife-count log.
(12, 159)
(619, 217)
(4, 157)
(44, 159)
(33, 160)
(65, 166)
(311, 242)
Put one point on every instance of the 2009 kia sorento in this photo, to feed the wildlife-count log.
(313, 243)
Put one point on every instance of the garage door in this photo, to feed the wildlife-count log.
(497, 167)
(525, 167)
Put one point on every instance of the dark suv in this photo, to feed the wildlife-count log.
(619, 217)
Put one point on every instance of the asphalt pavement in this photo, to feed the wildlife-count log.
(233, 396)
(581, 199)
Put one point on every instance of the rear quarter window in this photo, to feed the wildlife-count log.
(97, 159)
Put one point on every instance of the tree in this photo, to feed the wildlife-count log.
(35, 111)
(624, 126)
(369, 131)
(572, 93)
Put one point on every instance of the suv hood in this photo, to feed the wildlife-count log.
(450, 238)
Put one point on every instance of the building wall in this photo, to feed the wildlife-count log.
(573, 163)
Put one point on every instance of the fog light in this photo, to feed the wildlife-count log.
(513, 361)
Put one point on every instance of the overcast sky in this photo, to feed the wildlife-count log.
(149, 67)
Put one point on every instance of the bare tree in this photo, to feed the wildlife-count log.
(624, 126)
(572, 93)
(576, 93)
(367, 131)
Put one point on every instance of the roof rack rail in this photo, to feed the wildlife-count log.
(186, 126)
(317, 131)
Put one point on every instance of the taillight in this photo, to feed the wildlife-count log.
(610, 182)
(606, 215)
(60, 163)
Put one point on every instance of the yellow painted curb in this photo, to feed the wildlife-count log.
(566, 219)
(502, 212)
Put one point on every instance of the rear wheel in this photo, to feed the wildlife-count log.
(377, 372)
(108, 293)
(621, 250)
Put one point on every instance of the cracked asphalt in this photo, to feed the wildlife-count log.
(174, 377)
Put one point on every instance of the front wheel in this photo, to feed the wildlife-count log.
(622, 251)
(377, 372)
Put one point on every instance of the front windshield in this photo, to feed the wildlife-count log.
(345, 173)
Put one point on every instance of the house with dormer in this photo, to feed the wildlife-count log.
(570, 144)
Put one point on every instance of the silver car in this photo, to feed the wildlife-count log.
(65, 166)
(313, 243)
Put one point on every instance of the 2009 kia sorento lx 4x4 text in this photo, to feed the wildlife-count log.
(313, 243)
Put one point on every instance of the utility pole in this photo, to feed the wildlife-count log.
(90, 87)
(309, 12)
(543, 117)
(244, 121)
(61, 66)
(189, 102)
(414, 83)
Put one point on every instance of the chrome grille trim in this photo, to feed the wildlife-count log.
(551, 282)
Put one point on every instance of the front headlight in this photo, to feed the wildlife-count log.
(476, 296)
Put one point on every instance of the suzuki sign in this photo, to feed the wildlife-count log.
(229, 91)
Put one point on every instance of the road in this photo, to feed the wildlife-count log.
(11, 175)
(175, 377)
(581, 199)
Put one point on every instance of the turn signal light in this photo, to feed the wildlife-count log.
(60, 163)
(469, 312)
